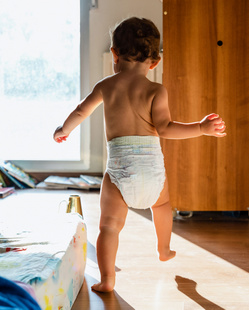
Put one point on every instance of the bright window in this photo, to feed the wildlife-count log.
(39, 78)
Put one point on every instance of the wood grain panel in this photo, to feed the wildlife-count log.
(242, 103)
(190, 77)
(227, 102)
(203, 77)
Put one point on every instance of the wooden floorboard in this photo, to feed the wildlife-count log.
(210, 270)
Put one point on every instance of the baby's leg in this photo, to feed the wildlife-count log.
(113, 214)
(163, 221)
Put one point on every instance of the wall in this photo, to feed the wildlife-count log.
(102, 18)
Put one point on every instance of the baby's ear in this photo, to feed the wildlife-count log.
(115, 55)
(154, 64)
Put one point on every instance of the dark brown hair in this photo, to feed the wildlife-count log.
(136, 39)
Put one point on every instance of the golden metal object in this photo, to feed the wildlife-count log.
(74, 205)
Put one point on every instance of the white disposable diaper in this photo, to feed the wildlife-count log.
(136, 166)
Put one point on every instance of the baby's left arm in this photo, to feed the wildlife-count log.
(210, 125)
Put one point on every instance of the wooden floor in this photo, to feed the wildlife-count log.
(210, 270)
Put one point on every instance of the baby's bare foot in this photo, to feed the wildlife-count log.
(106, 285)
(166, 255)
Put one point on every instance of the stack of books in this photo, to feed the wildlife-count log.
(82, 182)
(6, 191)
(11, 175)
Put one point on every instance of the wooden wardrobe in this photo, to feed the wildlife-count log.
(206, 69)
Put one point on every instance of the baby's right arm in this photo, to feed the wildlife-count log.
(211, 125)
(82, 111)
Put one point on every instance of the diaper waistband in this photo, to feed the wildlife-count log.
(134, 140)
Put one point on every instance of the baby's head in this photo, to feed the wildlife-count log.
(136, 39)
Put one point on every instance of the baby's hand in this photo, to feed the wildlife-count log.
(59, 135)
(213, 125)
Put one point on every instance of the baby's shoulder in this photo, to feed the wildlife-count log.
(159, 88)
(101, 85)
(105, 82)
(156, 88)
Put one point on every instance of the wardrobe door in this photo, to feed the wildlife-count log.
(233, 103)
(205, 71)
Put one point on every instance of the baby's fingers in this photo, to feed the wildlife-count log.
(220, 134)
(212, 116)
(221, 129)
(58, 140)
(217, 121)
(219, 124)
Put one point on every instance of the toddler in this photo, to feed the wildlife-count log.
(136, 114)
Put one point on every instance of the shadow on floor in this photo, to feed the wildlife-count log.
(188, 287)
(88, 299)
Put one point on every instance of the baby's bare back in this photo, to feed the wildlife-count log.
(127, 105)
